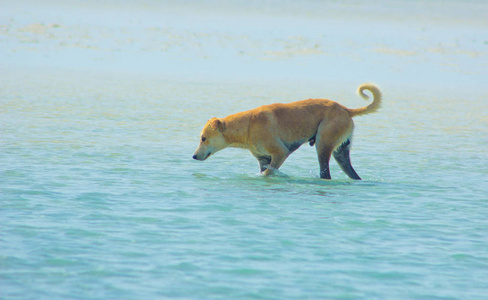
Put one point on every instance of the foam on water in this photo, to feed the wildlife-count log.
(100, 197)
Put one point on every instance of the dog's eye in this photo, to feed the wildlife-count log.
(204, 139)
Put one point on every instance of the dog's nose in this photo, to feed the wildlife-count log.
(194, 157)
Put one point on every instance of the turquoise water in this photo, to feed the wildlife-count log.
(101, 199)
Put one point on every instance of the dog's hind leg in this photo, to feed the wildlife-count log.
(324, 158)
(341, 155)
(324, 143)
(330, 134)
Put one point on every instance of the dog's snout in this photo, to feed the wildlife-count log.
(194, 156)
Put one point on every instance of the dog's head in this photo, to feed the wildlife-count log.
(211, 139)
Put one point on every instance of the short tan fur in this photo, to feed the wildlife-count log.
(272, 132)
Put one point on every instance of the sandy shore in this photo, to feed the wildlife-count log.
(393, 43)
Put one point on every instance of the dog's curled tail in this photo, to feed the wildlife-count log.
(374, 106)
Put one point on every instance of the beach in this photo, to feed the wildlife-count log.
(102, 104)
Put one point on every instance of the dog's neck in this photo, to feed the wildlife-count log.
(236, 131)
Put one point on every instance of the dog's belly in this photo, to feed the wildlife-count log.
(294, 145)
(300, 139)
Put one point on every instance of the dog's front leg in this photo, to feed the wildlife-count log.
(277, 159)
(264, 162)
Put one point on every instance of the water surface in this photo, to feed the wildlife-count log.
(98, 122)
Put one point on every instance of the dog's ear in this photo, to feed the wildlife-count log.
(217, 124)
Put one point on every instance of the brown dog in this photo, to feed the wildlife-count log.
(273, 132)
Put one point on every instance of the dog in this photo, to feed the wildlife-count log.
(272, 132)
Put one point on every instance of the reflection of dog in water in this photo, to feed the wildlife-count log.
(272, 132)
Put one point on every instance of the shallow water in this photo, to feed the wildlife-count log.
(100, 197)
